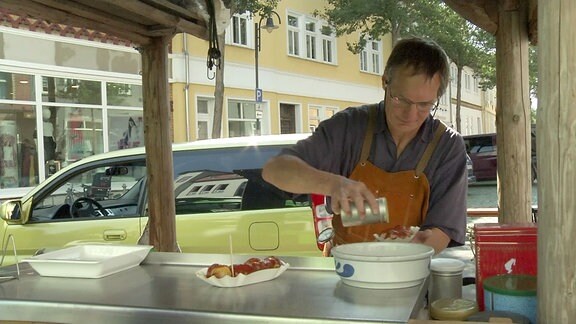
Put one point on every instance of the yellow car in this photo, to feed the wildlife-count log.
(219, 192)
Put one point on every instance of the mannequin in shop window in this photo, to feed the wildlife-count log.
(49, 142)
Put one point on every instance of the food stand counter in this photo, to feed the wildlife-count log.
(164, 288)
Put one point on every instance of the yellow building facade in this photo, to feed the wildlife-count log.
(305, 72)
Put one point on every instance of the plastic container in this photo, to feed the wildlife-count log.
(503, 249)
(512, 293)
(446, 279)
(453, 309)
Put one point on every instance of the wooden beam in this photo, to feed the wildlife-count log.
(158, 142)
(161, 17)
(556, 147)
(181, 11)
(40, 11)
(513, 121)
(93, 14)
(482, 13)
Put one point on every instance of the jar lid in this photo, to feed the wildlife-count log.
(453, 309)
(447, 265)
(511, 284)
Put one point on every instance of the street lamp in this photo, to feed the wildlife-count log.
(269, 26)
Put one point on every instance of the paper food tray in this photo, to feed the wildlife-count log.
(88, 261)
(241, 279)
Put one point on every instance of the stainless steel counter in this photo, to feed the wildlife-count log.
(164, 289)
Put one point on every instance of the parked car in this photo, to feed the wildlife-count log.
(219, 192)
(482, 149)
(470, 168)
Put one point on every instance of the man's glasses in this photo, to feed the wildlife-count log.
(404, 103)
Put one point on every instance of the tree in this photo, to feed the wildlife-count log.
(255, 7)
(465, 44)
(372, 19)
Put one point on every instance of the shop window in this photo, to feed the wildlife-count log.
(125, 129)
(65, 90)
(18, 146)
(123, 94)
(14, 86)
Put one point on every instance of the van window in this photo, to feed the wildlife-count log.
(230, 179)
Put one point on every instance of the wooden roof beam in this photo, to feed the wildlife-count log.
(161, 17)
(40, 11)
(91, 13)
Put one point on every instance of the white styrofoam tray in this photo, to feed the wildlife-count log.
(88, 261)
(241, 279)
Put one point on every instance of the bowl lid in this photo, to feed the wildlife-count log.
(511, 284)
(447, 265)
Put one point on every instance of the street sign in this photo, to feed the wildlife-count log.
(258, 95)
(258, 114)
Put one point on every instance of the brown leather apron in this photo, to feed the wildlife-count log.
(407, 192)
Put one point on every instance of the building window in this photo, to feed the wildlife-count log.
(293, 36)
(454, 75)
(310, 40)
(371, 56)
(238, 30)
(242, 118)
(467, 85)
(328, 49)
(319, 39)
(316, 114)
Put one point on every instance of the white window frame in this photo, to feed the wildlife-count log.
(324, 112)
(371, 59)
(293, 36)
(313, 45)
(242, 117)
(246, 30)
(205, 117)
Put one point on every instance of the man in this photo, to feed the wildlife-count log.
(394, 149)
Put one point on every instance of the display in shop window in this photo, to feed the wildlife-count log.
(132, 137)
(8, 155)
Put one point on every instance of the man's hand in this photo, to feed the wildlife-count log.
(343, 191)
(433, 237)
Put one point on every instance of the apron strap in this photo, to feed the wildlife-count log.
(367, 145)
(430, 148)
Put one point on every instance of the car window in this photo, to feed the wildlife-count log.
(221, 180)
(111, 190)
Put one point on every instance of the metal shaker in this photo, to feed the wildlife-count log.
(353, 219)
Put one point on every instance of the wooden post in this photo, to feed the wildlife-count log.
(161, 204)
(513, 114)
(556, 147)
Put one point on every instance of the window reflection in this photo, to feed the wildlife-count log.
(126, 129)
(15, 86)
(64, 90)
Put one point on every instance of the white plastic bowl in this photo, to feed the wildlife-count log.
(382, 265)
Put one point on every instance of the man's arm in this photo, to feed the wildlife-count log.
(433, 237)
(292, 174)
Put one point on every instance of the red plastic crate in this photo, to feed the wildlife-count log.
(503, 249)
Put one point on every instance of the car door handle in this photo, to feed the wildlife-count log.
(114, 235)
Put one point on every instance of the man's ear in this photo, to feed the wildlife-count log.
(384, 81)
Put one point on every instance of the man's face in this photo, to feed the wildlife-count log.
(409, 100)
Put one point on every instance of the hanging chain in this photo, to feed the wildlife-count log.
(214, 54)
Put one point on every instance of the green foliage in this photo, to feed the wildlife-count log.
(262, 8)
(372, 19)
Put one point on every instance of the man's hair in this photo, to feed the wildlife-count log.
(424, 56)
